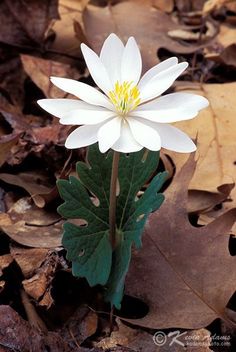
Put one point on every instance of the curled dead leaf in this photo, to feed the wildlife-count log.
(211, 5)
(32, 227)
(188, 35)
(38, 286)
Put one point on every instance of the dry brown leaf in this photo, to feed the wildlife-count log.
(22, 24)
(132, 338)
(47, 300)
(164, 5)
(211, 5)
(36, 285)
(2, 285)
(226, 35)
(18, 121)
(231, 6)
(39, 272)
(188, 272)
(215, 128)
(18, 335)
(6, 143)
(143, 341)
(190, 35)
(5, 261)
(201, 201)
(33, 227)
(147, 24)
(82, 324)
(70, 13)
(29, 259)
(12, 77)
(189, 6)
(223, 48)
(40, 71)
(228, 55)
(35, 183)
(51, 134)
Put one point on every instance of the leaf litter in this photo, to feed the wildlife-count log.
(188, 269)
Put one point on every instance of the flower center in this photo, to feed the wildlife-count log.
(125, 97)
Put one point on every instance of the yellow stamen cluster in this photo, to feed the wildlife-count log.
(125, 97)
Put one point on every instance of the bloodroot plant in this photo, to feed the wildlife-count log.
(130, 121)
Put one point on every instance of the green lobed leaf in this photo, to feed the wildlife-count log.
(88, 247)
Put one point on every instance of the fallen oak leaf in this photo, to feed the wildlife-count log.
(188, 272)
(215, 128)
(66, 28)
(200, 201)
(147, 24)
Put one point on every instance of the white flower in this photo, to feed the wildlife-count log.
(131, 114)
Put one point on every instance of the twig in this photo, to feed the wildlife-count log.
(31, 313)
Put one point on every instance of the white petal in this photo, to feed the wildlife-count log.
(161, 82)
(131, 64)
(86, 117)
(174, 139)
(59, 107)
(109, 133)
(82, 91)
(126, 143)
(82, 136)
(96, 69)
(172, 108)
(111, 55)
(162, 66)
(144, 134)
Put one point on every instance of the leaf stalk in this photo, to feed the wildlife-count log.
(112, 208)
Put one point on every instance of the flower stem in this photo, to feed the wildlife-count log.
(112, 209)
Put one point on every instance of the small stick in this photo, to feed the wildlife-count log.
(33, 317)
